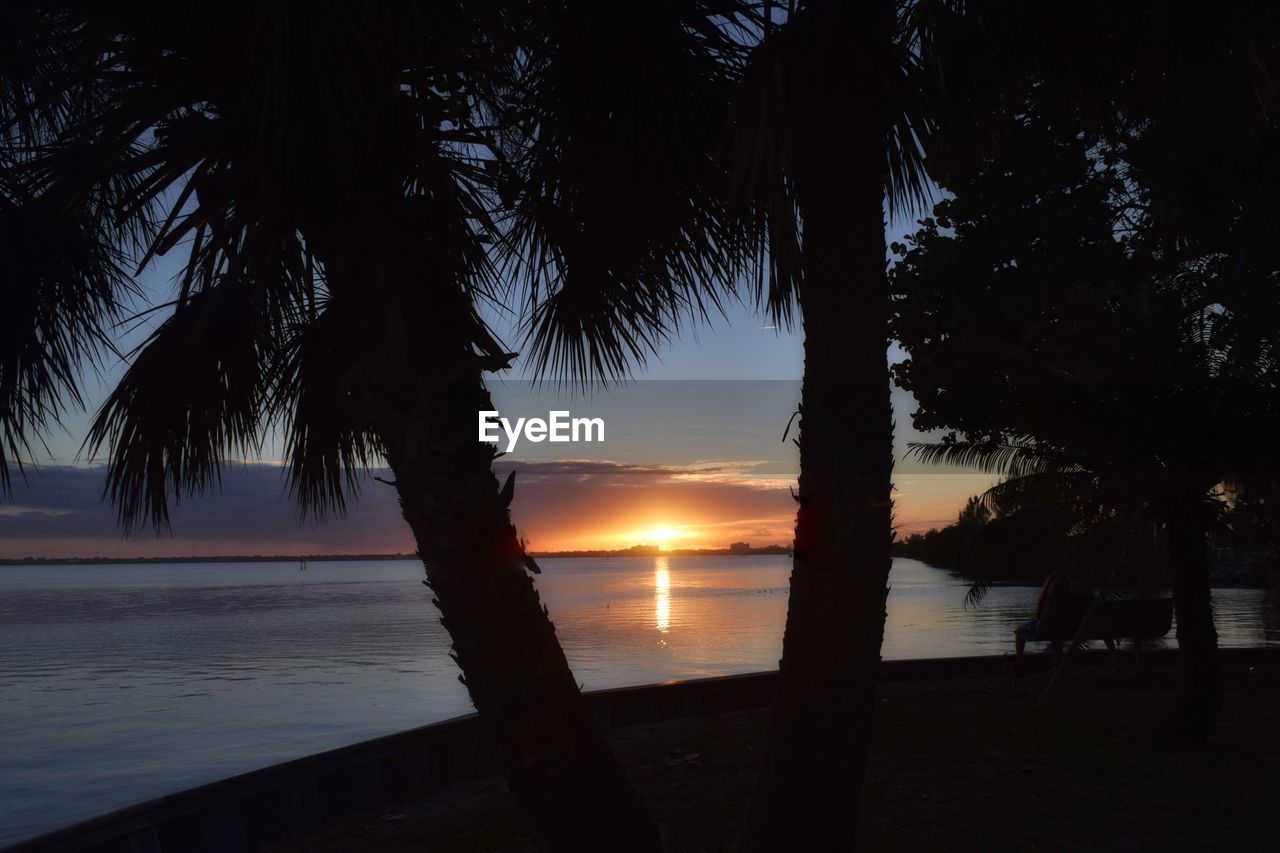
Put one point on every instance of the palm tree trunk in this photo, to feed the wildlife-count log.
(1199, 699)
(561, 773)
(820, 731)
(420, 387)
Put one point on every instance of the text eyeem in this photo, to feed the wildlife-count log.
(559, 426)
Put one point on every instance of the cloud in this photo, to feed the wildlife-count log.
(559, 505)
(583, 468)
(60, 511)
(604, 472)
(32, 510)
(586, 504)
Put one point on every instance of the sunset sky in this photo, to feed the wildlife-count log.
(693, 457)
(684, 464)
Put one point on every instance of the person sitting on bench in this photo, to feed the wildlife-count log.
(1060, 608)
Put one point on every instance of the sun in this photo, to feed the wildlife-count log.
(660, 536)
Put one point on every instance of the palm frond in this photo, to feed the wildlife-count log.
(191, 397)
(797, 77)
(1007, 458)
(62, 287)
(762, 153)
(325, 446)
(1014, 540)
(617, 233)
(1042, 488)
(911, 126)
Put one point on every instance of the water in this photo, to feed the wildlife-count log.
(122, 683)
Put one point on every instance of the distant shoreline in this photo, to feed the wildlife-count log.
(645, 551)
(254, 558)
(768, 550)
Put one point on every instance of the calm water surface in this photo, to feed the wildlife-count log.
(122, 683)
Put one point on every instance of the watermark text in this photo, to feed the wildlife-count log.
(559, 426)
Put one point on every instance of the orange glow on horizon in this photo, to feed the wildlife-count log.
(578, 506)
(665, 536)
(708, 532)
(693, 537)
(673, 514)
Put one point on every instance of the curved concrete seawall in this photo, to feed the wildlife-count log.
(245, 812)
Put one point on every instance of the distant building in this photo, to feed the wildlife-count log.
(739, 547)
(644, 550)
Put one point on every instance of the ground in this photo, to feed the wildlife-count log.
(984, 765)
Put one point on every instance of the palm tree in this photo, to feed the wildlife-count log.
(829, 125)
(786, 163)
(337, 177)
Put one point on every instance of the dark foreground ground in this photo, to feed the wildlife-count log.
(956, 765)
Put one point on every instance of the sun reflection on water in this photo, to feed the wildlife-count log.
(662, 594)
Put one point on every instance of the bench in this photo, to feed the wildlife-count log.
(1135, 619)
(1104, 619)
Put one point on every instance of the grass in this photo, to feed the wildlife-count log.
(963, 765)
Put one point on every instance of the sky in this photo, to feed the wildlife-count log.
(693, 456)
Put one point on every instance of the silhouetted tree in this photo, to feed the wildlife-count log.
(823, 124)
(333, 174)
(1252, 513)
(344, 180)
(943, 546)
(1116, 376)
(826, 128)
